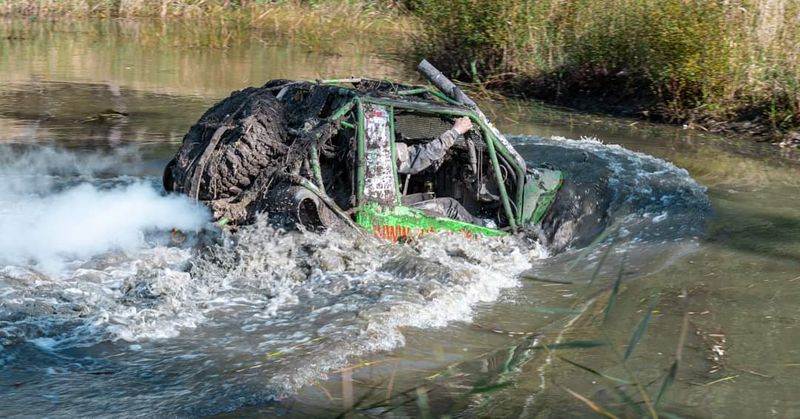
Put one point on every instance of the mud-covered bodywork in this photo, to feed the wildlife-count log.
(323, 152)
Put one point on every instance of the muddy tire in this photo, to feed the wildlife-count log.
(233, 142)
(296, 205)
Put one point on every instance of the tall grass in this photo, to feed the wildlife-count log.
(320, 18)
(697, 61)
(680, 59)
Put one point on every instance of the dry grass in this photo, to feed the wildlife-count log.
(319, 19)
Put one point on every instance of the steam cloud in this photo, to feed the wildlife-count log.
(53, 210)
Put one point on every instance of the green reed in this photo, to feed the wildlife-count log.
(632, 392)
(638, 401)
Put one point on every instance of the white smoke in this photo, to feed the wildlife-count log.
(39, 170)
(52, 210)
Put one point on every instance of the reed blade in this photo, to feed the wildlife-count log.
(668, 380)
(600, 410)
(601, 262)
(575, 344)
(490, 387)
(612, 299)
(621, 395)
(594, 371)
(640, 330)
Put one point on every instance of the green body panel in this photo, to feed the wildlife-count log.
(539, 192)
(413, 223)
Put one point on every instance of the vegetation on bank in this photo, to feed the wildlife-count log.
(688, 61)
(310, 19)
(718, 64)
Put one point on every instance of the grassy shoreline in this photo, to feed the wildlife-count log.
(312, 21)
(719, 66)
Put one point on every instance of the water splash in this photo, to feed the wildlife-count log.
(254, 317)
(343, 294)
(264, 313)
(88, 275)
(656, 211)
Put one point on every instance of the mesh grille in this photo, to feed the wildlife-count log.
(416, 126)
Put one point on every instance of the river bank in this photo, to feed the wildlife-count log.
(715, 65)
(718, 67)
(318, 26)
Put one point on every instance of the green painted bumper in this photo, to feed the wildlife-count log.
(401, 222)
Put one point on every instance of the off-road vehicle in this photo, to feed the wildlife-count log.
(322, 152)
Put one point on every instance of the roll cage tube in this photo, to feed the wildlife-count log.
(493, 147)
(316, 169)
(360, 151)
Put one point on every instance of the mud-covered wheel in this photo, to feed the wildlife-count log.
(167, 177)
(297, 205)
(232, 143)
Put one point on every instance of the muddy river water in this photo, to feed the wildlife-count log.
(687, 306)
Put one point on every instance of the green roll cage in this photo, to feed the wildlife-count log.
(370, 214)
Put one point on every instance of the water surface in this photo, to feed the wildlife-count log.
(276, 323)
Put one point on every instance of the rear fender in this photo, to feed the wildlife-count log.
(541, 186)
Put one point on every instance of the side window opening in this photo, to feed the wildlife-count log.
(414, 127)
(464, 174)
(337, 163)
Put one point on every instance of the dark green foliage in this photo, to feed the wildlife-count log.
(612, 298)
(469, 39)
